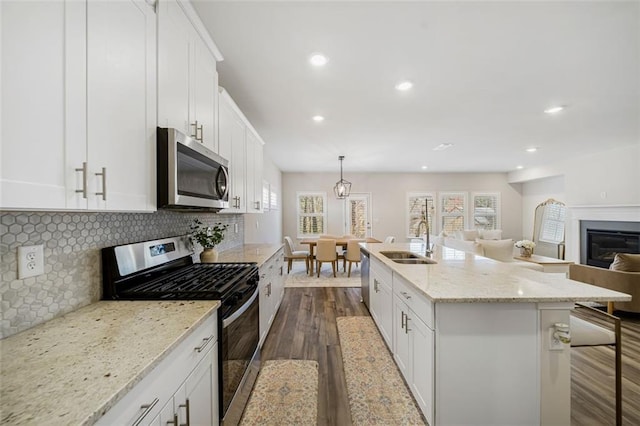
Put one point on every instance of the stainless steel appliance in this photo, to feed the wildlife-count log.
(189, 175)
(164, 269)
(364, 276)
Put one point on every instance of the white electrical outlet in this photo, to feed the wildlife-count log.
(235, 228)
(30, 261)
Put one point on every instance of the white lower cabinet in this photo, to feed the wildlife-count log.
(414, 345)
(381, 299)
(271, 291)
(183, 387)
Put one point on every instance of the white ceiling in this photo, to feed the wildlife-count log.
(483, 73)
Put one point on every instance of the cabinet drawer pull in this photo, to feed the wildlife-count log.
(205, 342)
(104, 184)
(406, 324)
(406, 296)
(375, 285)
(186, 407)
(147, 408)
(83, 169)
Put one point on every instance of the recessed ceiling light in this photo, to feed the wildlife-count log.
(554, 110)
(404, 86)
(519, 167)
(443, 146)
(424, 167)
(532, 149)
(318, 118)
(318, 60)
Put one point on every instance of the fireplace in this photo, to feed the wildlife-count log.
(601, 240)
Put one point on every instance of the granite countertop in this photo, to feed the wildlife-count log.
(258, 253)
(465, 277)
(73, 368)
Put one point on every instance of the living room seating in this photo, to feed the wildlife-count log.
(625, 278)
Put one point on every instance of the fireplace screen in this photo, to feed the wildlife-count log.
(603, 246)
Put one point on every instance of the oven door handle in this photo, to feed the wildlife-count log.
(229, 320)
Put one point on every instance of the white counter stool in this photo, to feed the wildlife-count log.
(290, 254)
(586, 333)
(326, 252)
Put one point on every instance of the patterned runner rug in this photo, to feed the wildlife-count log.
(285, 393)
(298, 277)
(377, 393)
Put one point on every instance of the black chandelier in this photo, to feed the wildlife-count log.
(343, 187)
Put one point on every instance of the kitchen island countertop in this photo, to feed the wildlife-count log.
(73, 368)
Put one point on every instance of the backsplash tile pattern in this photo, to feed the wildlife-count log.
(72, 242)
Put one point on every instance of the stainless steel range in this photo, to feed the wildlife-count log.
(164, 269)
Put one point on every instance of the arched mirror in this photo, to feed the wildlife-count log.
(548, 229)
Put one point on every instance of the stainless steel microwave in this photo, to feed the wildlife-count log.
(189, 175)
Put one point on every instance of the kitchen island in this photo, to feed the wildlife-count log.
(74, 368)
(473, 337)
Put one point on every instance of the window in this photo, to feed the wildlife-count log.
(453, 206)
(273, 199)
(416, 213)
(265, 195)
(486, 210)
(552, 230)
(312, 213)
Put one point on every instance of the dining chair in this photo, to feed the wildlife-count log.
(390, 239)
(290, 254)
(353, 253)
(588, 333)
(326, 252)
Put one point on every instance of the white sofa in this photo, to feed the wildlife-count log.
(502, 250)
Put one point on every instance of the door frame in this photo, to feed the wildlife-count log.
(367, 197)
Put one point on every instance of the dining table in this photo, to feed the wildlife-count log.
(340, 242)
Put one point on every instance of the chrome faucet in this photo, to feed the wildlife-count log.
(425, 222)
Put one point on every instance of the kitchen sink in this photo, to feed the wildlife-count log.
(407, 258)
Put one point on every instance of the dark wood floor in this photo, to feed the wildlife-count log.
(305, 328)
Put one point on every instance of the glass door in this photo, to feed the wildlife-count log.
(358, 215)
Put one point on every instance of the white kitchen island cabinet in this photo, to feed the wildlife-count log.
(271, 291)
(187, 75)
(471, 337)
(380, 296)
(78, 100)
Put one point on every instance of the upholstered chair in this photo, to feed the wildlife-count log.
(326, 252)
(353, 253)
(390, 239)
(290, 254)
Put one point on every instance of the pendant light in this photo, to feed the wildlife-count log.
(343, 187)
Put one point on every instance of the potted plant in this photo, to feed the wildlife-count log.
(208, 237)
(526, 247)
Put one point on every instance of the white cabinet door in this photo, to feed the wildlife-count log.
(381, 301)
(422, 365)
(264, 299)
(201, 389)
(257, 175)
(232, 147)
(174, 46)
(204, 91)
(250, 182)
(120, 104)
(401, 338)
(43, 129)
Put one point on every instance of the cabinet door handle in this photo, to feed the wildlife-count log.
(84, 180)
(269, 289)
(257, 205)
(205, 342)
(281, 271)
(406, 296)
(195, 130)
(200, 127)
(406, 324)
(104, 184)
(402, 319)
(186, 407)
(173, 422)
(147, 408)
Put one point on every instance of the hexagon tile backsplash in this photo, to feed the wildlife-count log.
(72, 242)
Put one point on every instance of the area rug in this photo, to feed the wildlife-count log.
(377, 393)
(298, 277)
(285, 393)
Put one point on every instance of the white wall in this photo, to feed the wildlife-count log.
(388, 193)
(536, 192)
(266, 228)
(608, 178)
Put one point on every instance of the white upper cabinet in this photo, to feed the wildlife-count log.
(78, 90)
(187, 76)
(240, 144)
